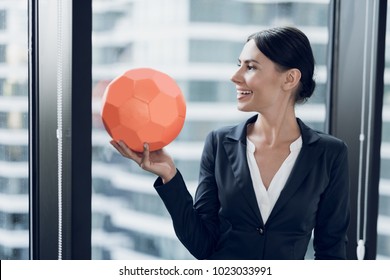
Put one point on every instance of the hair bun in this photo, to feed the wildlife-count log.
(306, 91)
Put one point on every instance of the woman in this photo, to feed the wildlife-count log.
(267, 183)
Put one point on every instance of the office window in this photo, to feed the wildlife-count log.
(304, 14)
(314, 13)
(106, 22)
(197, 42)
(107, 55)
(209, 91)
(3, 20)
(200, 51)
(3, 53)
(218, 11)
(14, 221)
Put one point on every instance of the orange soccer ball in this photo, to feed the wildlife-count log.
(143, 106)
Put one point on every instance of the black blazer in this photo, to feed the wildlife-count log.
(225, 221)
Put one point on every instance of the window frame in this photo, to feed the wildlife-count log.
(77, 89)
(348, 82)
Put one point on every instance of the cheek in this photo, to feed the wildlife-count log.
(258, 86)
(254, 82)
(269, 82)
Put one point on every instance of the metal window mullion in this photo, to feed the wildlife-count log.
(356, 95)
(46, 232)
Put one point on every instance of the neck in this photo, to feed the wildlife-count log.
(273, 128)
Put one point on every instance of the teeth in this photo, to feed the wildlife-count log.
(246, 92)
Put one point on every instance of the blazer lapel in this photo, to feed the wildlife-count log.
(235, 147)
(308, 155)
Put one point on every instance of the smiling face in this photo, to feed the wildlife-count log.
(259, 82)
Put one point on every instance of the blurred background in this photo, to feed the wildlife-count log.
(197, 42)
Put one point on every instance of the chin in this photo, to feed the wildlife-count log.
(243, 108)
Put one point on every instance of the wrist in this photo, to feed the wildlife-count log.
(168, 177)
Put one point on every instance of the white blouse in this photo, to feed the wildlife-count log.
(266, 199)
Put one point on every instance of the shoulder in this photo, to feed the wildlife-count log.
(223, 131)
(325, 140)
(330, 139)
(218, 135)
(333, 145)
(235, 132)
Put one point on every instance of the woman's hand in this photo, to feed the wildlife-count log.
(157, 162)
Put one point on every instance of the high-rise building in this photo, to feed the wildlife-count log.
(197, 42)
(14, 235)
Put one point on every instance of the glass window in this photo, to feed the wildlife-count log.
(197, 42)
(106, 21)
(3, 19)
(14, 221)
(383, 244)
(112, 54)
(3, 54)
(227, 51)
(216, 11)
(260, 12)
(209, 91)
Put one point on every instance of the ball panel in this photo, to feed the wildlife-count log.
(151, 132)
(181, 105)
(140, 73)
(130, 137)
(157, 146)
(145, 90)
(110, 117)
(163, 110)
(118, 91)
(172, 131)
(134, 114)
(167, 85)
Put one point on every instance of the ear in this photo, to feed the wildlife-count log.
(292, 79)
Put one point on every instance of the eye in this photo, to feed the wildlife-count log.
(249, 67)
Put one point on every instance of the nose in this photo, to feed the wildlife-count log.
(237, 77)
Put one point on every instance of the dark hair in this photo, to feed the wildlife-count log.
(289, 47)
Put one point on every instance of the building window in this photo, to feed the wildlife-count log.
(201, 51)
(3, 20)
(3, 54)
(14, 221)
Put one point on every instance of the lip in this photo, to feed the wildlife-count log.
(242, 97)
(242, 89)
(243, 93)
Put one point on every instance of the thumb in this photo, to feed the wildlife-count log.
(145, 161)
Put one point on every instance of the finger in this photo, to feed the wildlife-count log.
(117, 147)
(145, 161)
(127, 152)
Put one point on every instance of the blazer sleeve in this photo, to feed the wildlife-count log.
(330, 232)
(196, 225)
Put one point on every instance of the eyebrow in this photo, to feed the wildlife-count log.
(249, 61)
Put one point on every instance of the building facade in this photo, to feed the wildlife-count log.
(197, 42)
